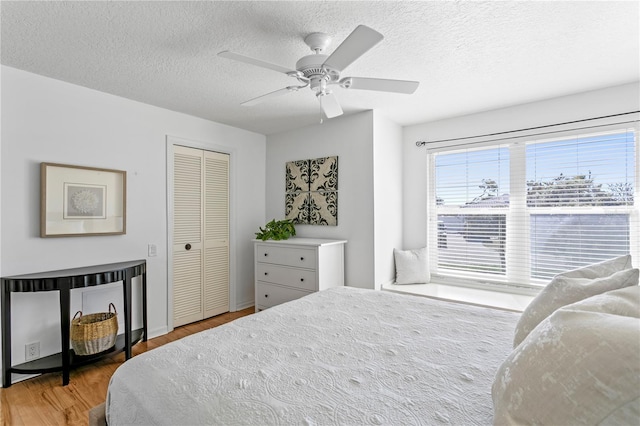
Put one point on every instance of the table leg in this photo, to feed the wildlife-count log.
(144, 306)
(65, 323)
(6, 335)
(127, 314)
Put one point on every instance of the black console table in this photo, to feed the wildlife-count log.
(64, 281)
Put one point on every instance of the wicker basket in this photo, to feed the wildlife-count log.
(94, 333)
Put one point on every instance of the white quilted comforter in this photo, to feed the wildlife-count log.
(341, 356)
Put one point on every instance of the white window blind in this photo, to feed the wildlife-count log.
(471, 201)
(521, 212)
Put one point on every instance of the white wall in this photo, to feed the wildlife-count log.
(387, 180)
(613, 100)
(45, 120)
(351, 139)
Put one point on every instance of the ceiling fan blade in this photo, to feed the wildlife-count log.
(329, 104)
(380, 84)
(355, 45)
(260, 99)
(257, 62)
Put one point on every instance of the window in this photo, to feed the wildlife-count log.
(521, 212)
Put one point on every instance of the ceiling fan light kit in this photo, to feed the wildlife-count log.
(329, 104)
(318, 70)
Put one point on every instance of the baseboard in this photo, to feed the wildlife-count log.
(159, 331)
(387, 283)
(245, 305)
(17, 377)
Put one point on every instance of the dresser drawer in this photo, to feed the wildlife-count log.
(268, 295)
(304, 279)
(289, 256)
(289, 269)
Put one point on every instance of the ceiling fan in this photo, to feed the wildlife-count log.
(319, 71)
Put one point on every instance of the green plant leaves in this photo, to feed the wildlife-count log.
(277, 230)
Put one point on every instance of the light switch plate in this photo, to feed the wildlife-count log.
(152, 250)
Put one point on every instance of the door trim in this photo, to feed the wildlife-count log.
(171, 141)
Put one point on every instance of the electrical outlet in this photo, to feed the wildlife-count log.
(32, 351)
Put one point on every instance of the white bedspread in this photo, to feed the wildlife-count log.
(340, 356)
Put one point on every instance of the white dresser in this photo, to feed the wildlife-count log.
(289, 269)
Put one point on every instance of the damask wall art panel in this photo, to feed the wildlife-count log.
(312, 191)
(297, 207)
(323, 208)
(297, 176)
(323, 174)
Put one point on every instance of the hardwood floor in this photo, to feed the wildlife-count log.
(44, 401)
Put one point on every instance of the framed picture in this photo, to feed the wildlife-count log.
(81, 201)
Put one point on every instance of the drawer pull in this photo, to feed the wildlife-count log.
(266, 273)
(266, 295)
(301, 279)
(266, 254)
(302, 258)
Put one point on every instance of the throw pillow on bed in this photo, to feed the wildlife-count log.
(581, 365)
(573, 286)
(411, 266)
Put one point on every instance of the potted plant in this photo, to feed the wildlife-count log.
(277, 230)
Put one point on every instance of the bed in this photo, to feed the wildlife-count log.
(340, 356)
(347, 356)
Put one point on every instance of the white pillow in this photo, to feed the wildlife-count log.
(411, 266)
(601, 269)
(573, 286)
(581, 365)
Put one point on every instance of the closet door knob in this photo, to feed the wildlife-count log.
(187, 246)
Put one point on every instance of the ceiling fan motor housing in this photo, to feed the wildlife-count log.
(311, 67)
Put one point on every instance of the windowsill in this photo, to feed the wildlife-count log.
(472, 296)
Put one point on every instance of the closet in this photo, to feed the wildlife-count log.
(200, 234)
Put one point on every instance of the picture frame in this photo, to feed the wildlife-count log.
(81, 201)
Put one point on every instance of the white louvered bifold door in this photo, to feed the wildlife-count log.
(216, 234)
(200, 235)
(187, 235)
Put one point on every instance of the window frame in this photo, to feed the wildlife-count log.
(517, 277)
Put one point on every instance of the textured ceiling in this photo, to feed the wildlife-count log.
(468, 56)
